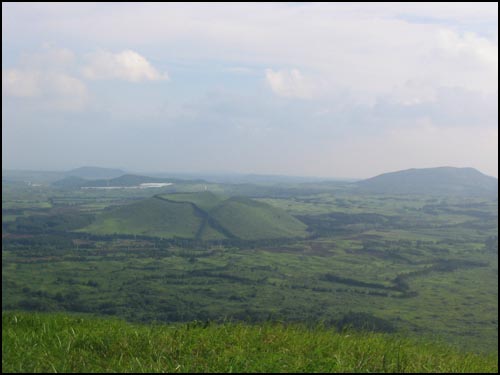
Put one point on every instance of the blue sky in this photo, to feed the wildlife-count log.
(332, 90)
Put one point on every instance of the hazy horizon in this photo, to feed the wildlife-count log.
(342, 90)
(216, 173)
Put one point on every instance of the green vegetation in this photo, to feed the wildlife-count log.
(201, 215)
(206, 200)
(63, 343)
(249, 220)
(150, 217)
(425, 266)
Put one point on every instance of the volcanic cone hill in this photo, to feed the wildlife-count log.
(203, 216)
(433, 181)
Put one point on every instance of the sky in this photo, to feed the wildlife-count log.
(346, 90)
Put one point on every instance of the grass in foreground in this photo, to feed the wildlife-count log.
(35, 342)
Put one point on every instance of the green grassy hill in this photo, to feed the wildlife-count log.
(149, 217)
(205, 200)
(434, 181)
(248, 219)
(39, 342)
(204, 216)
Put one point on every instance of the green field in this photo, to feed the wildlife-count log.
(64, 343)
(422, 266)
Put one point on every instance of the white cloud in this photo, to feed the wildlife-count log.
(469, 45)
(240, 70)
(413, 93)
(55, 90)
(66, 92)
(50, 57)
(20, 83)
(368, 66)
(126, 65)
(67, 85)
(289, 83)
(366, 48)
(46, 77)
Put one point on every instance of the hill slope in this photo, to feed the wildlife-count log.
(205, 200)
(204, 216)
(38, 342)
(92, 173)
(441, 180)
(251, 220)
(150, 217)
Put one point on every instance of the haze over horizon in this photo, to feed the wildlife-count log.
(344, 90)
(215, 173)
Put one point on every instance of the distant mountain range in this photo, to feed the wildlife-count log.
(126, 180)
(47, 177)
(434, 181)
(95, 173)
